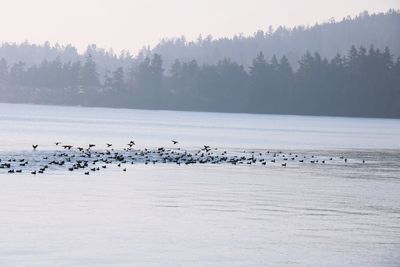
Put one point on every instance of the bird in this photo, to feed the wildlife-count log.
(108, 145)
(91, 145)
(174, 142)
(206, 148)
(34, 147)
(57, 143)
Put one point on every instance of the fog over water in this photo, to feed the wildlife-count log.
(333, 214)
(24, 125)
(200, 133)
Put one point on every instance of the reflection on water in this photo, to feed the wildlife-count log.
(203, 215)
(24, 125)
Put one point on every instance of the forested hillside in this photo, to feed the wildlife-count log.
(329, 38)
(364, 82)
(345, 68)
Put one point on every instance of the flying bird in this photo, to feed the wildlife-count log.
(34, 147)
(175, 142)
(206, 148)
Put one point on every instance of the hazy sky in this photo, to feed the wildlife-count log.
(130, 24)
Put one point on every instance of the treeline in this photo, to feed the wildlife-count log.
(365, 82)
(328, 38)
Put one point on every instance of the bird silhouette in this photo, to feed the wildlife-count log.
(174, 142)
(206, 148)
(34, 147)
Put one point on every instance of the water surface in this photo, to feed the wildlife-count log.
(334, 214)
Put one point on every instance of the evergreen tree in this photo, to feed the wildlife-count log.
(88, 75)
(3, 74)
(118, 83)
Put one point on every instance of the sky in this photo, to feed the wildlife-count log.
(132, 24)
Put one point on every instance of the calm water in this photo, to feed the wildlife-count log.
(202, 215)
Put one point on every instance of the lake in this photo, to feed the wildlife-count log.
(334, 214)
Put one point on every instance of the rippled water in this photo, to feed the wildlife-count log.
(332, 214)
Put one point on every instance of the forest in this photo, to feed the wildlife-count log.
(327, 38)
(364, 82)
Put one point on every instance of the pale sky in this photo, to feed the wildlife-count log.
(131, 24)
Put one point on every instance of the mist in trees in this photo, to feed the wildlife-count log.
(363, 82)
(325, 69)
(327, 38)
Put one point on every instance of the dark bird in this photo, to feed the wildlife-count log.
(57, 143)
(91, 145)
(67, 147)
(174, 142)
(34, 147)
(108, 145)
(206, 148)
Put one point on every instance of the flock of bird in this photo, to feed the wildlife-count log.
(88, 160)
